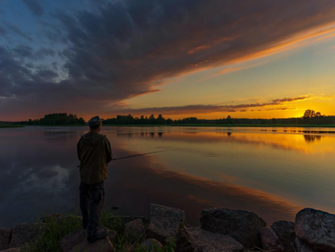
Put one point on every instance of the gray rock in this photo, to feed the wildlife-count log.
(164, 222)
(71, 240)
(103, 245)
(302, 246)
(26, 233)
(151, 244)
(134, 230)
(285, 233)
(124, 219)
(243, 226)
(5, 235)
(205, 241)
(316, 228)
(12, 250)
(184, 241)
(271, 241)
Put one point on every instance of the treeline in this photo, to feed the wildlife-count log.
(129, 119)
(315, 120)
(56, 119)
(72, 119)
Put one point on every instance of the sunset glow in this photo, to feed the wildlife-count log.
(197, 59)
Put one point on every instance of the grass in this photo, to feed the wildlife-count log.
(10, 126)
(56, 229)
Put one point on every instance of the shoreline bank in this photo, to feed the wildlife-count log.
(221, 229)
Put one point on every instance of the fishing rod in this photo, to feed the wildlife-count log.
(137, 155)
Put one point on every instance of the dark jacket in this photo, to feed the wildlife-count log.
(94, 152)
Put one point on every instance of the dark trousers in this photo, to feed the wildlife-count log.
(91, 204)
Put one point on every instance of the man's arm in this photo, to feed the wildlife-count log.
(108, 148)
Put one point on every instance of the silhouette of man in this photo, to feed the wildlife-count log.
(94, 152)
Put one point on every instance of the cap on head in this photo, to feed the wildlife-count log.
(94, 122)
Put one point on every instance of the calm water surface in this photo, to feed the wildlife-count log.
(274, 172)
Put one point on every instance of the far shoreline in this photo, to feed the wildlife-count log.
(185, 125)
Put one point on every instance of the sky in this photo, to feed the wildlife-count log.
(179, 58)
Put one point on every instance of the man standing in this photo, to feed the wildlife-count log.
(94, 152)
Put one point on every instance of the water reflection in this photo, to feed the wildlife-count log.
(142, 134)
(273, 173)
(312, 138)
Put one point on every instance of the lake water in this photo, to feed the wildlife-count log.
(273, 172)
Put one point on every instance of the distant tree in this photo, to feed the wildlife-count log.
(56, 119)
(309, 113)
(318, 114)
(229, 120)
(160, 119)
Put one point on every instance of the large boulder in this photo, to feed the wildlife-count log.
(271, 241)
(285, 233)
(164, 222)
(184, 241)
(26, 233)
(12, 250)
(71, 240)
(103, 245)
(302, 246)
(151, 244)
(243, 226)
(134, 230)
(205, 241)
(316, 228)
(5, 234)
(119, 221)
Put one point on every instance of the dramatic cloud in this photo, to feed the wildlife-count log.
(2, 30)
(202, 109)
(16, 30)
(34, 6)
(122, 49)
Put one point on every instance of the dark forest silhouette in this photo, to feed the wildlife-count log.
(310, 117)
(56, 119)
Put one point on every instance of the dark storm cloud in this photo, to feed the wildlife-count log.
(23, 51)
(127, 48)
(34, 6)
(2, 30)
(17, 31)
(45, 52)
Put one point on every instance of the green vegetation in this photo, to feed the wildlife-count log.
(309, 119)
(142, 120)
(56, 119)
(57, 228)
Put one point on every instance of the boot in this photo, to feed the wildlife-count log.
(97, 236)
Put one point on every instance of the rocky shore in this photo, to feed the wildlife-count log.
(221, 229)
